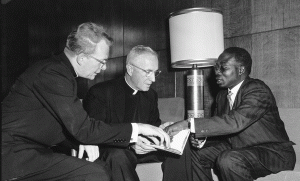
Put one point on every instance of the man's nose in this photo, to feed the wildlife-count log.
(103, 67)
(152, 77)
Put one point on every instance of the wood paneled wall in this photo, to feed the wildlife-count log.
(42, 27)
(268, 29)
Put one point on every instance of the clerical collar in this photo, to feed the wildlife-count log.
(67, 61)
(76, 73)
(134, 90)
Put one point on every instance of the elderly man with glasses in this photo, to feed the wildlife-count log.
(128, 99)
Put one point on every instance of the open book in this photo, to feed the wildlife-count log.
(177, 142)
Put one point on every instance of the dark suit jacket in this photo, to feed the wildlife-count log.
(41, 110)
(254, 119)
(106, 101)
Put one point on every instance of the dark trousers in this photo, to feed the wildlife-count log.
(242, 164)
(123, 162)
(178, 167)
(55, 166)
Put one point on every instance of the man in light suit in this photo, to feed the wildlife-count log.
(128, 99)
(42, 110)
(246, 137)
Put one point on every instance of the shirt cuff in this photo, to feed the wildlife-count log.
(192, 125)
(135, 132)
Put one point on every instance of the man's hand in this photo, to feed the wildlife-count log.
(154, 133)
(142, 146)
(176, 127)
(197, 143)
(162, 126)
(91, 150)
(194, 141)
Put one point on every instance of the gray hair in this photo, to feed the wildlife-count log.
(85, 37)
(139, 50)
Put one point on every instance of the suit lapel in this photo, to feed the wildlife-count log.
(238, 97)
(223, 104)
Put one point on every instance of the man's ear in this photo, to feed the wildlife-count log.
(80, 59)
(241, 70)
(129, 69)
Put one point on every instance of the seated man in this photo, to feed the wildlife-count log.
(42, 110)
(128, 99)
(246, 137)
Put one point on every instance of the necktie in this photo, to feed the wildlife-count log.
(229, 99)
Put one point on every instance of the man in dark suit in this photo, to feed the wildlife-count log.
(246, 137)
(128, 99)
(42, 110)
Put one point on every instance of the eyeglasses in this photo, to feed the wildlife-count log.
(148, 72)
(103, 61)
(223, 68)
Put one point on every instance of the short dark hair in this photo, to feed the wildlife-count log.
(241, 56)
(85, 37)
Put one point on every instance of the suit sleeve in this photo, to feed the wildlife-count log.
(95, 103)
(56, 89)
(255, 102)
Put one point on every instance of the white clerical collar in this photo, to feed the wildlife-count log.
(76, 73)
(135, 91)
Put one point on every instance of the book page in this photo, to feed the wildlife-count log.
(177, 142)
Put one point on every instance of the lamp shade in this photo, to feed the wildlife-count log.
(196, 37)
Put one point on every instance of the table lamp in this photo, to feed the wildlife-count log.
(196, 41)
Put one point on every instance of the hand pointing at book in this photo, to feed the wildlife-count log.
(154, 133)
(176, 127)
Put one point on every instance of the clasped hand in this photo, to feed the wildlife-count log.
(91, 150)
(142, 146)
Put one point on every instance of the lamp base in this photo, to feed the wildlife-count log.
(190, 63)
(195, 113)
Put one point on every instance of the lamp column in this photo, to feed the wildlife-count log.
(195, 93)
